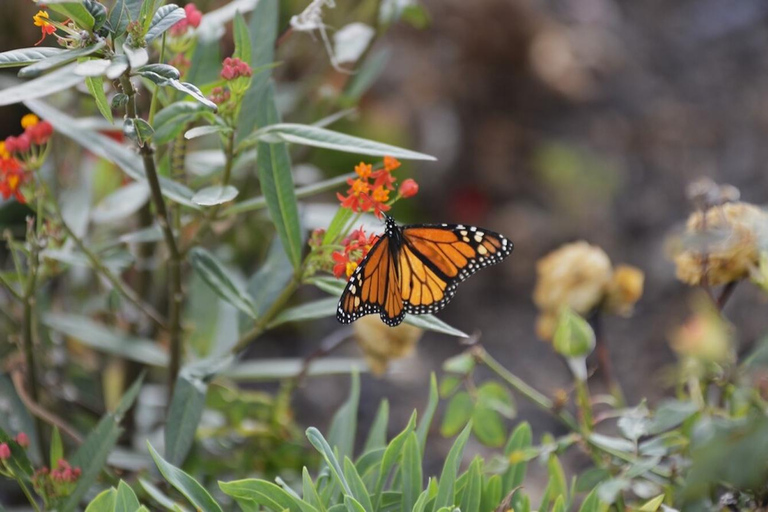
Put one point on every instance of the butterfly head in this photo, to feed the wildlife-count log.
(391, 226)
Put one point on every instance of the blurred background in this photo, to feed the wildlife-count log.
(552, 121)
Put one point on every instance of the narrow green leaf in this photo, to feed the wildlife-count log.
(377, 435)
(106, 148)
(95, 86)
(353, 505)
(220, 280)
(309, 491)
(651, 505)
(165, 17)
(103, 502)
(557, 483)
(321, 308)
(282, 368)
(173, 119)
(274, 170)
(50, 83)
(75, 11)
(185, 484)
(258, 203)
(411, 473)
(520, 439)
(559, 505)
(59, 59)
(321, 445)
(157, 495)
(341, 435)
(192, 91)
(184, 415)
(592, 503)
(391, 457)
(492, 495)
(92, 67)
(200, 131)
(101, 338)
(263, 32)
(57, 447)
(26, 56)
(118, 18)
(457, 414)
(273, 276)
(242, 38)
(337, 225)
(146, 14)
(323, 138)
(266, 494)
(429, 413)
(470, 499)
(445, 490)
(359, 492)
(365, 77)
(122, 203)
(432, 323)
(126, 500)
(215, 195)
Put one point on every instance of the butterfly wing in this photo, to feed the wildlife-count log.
(434, 259)
(373, 288)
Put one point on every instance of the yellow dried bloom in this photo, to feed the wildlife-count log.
(625, 289)
(732, 248)
(575, 275)
(381, 343)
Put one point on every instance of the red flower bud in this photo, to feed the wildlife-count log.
(5, 451)
(22, 439)
(10, 144)
(22, 143)
(234, 68)
(194, 16)
(39, 133)
(409, 188)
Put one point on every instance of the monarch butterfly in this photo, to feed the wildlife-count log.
(416, 269)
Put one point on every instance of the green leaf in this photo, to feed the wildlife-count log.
(338, 223)
(519, 441)
(264, 493)
(118, 18)
(157, 495)
(192, 91)
(242, 39)
(137, 130)
(122, 203)
(608, 491)
(220, 280)
(27, 56)
(16, 417)
(323, 138)
(321, 308)
(258, 203)
(59, 59)
(107, 148)
(461, 364)
(488, 426)
(146, 14)
(173, 119)
(670, 414)
(92, 67)
(184, 415)
(215, 195)
(185, 484)
(263, 32)
(471, 497)
(445, 490)
(126, 500)
(457, 414)
(282, 368)
(559, 505)
(201, 131)
(266, 285)
(95, 86)
(391, 457)
(448, 385)
(53, 82)
(274, 170)
(411, 472)
(557, 485)
(103, 502)
(309, 491)
(574, 337)
(492, 495)
(341, 435)
(353, 505)
(158, 73)
(98, 11)
(359, 492)
(432, 323)
(165, 17)
(377, 435)
(652, 505)
(18, 463)
(57, 447)
(101, 338)
(76, 12)
(321, 445)
(429, 413)
(592, 503)
(365, 77)
(93, 453)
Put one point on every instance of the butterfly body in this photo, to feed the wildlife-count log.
(416, 269)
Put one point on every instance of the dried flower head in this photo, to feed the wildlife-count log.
(381, 343)
(580, 277)
(730, 237)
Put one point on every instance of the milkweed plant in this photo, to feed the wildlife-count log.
(156, 227)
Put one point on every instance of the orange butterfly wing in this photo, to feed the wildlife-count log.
(435, 259)
(373, 288)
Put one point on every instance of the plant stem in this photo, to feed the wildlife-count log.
(584, 404)
(726, 294)
(604, 359)
(262, 322)
(27, 328)
(99, 267)
(176, 296)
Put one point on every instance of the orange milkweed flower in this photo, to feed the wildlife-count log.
(364, 170)
(46, 27)
(29, 120)
(391, 163)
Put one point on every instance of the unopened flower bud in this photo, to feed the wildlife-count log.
(409, 188)
(22, 439)
(5, 451)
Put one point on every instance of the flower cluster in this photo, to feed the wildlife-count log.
(22, 154)
(233, 68)
(580, 277)
(370, 191)
(56, 483)
(47, 28)
(356, 248)
(193, 19)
